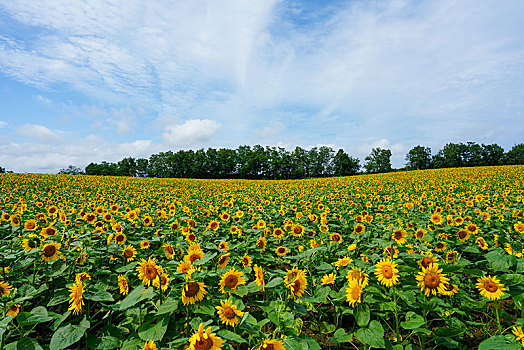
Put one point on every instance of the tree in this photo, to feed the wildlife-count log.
(70, 170)
(418, 158)
(344, 165)
(2, 170)
(379, 161)
(492, 154)
(515, 155)
(127, 167)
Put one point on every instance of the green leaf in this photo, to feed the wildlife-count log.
(154, 331)
(138, 294)
(205, 310)
(4, 323)
(497, 342)
(57, 300)
(412, 321)
(100, 296)
(372, 335)
(275, 282)
(68, 335)
(362, 314)
(207, 257)
(224, 333)
(169, 305)
(28, 344)
(341, 336)
(240, 291)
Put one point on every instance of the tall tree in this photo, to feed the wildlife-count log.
(418, 158)
(70, 170)
(344, 165)
(515, 155)
(379, 161)
(492, 154)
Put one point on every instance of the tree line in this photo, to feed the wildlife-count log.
(260, 162)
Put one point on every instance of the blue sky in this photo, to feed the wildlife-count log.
(98, 80)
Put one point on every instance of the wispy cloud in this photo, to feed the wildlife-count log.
(38, 132)
(300, 73)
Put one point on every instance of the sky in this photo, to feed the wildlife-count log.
(88, 81)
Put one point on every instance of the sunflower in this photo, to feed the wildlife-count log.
(120, 238)
(261, 243)
(463, 235)
(428, 259)
(246, 261)
(272, 344)
(519, 334)
(450, 289)
(335, 237)
(15, 220)
(482, 243)
(5, 288)
(204, 340)
(50, 251)
(81, 259)
(297, 230)
(169, 251)
(509, 249)
(123, 284)
(148, 220)
(298, 285)
(77, 300)
(30, 225)
(148, 270)
(450, 256)
(144, 244)
(354, 292)
(162, 281)
(13, 310)
(441, 246)
(82, 276)
(129, 253)
(223, 260)
(184, 266)
(436, 219)
(328, 279)
(228, 312)
(278, 232)
(357, 274)
(48, 231)
(359, 228)
(259, 276)
(214, 225)
(345, 261)
(387, 272)
(431, 279)
(231, 279)
(281, 251)
(194, 255)
(472, 229)
(420, 233)
(519, 227)
(391, 252)
(149, 345)
(193, 291)
(399, 235)
(490, 287)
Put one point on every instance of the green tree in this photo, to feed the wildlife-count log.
(418, 158)
(344, 165)
(492, 154)
(2, 170)
(70, 170)
(379, 161)
(515, 155)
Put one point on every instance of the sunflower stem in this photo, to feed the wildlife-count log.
(499, 327)
(396, 313)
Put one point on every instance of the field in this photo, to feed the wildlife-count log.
(422, 259)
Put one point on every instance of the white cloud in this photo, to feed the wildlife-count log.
(43, 99)
(39, 132)
(271, 130)
(48, 158)
(3, 124)
(190, 133)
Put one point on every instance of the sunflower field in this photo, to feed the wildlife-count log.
(408, 260)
